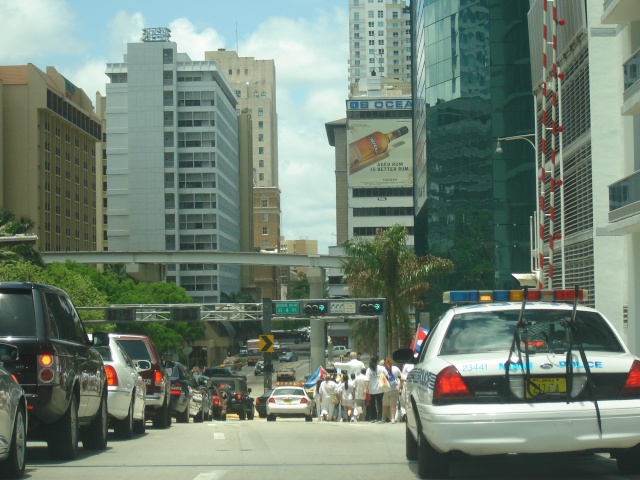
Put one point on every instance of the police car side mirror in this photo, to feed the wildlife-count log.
(404, 355)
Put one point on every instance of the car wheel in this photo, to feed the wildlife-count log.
(94, 436)
(183, 417)
(124, 428)
(250, 413)
(162, 418)
(13, 465)
(62, 437)
(431, 464)
(271, 418)
(628, 461)
(243, 415)
(139, 427)
(411, 445)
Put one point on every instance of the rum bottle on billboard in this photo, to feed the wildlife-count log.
(374, 144)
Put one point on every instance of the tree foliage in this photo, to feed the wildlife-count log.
(298, 287)
(385, 267)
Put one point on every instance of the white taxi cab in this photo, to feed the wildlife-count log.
(521, 372)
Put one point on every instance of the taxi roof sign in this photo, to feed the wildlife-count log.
(487, 296)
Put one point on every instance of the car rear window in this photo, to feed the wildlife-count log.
(17, 314)
(545, 331)
(137, 349)
(105, 353)
(289, 391)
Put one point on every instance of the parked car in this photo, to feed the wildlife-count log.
(127, 391)
(500, 370)
(285, 374)
(289, 357)
(13, 418)
(234, 389)
(234, 362)
(261, 403)
(188, 399)
(290, 401)
(62, 375)
(144, 354)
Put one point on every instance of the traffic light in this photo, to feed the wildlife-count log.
(370, 307)
(316, 308)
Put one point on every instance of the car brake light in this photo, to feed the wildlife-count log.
(216, 402)
(303, 400)
(272, 400)
(632, 385)
(239, 396)
(157, 376)
(46, 368)
(112, 376)
(449, 384)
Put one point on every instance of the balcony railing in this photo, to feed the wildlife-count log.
(631, 70)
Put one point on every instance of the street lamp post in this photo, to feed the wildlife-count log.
(534, 221)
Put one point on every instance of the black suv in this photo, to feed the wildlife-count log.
(63, 377)
(235, 391)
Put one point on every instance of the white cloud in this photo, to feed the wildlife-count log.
(32, 30)
(192, 42)
(123, 28)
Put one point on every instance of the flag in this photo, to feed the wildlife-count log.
(313, 379)
(419, 337)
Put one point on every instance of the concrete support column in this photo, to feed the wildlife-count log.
(318, 338)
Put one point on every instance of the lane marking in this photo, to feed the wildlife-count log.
(218, 436)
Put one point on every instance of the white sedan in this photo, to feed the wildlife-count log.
(516, 377)
(127, 391)
(289, 401)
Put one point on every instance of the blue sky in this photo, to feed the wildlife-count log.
(307, 39)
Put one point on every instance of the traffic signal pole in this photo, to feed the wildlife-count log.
(266, 329)
(315, 276)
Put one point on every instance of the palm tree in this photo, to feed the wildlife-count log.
(9, 226)
(385, 267)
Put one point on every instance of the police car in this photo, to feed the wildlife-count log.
(521, 372)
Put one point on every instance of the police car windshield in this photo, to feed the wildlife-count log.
(545, 331)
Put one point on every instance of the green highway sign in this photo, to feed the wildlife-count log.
(287, 308)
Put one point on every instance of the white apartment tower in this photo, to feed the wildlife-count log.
(379, 41)
(172, 161)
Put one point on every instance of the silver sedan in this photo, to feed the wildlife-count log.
(289, 401)
(13, 418)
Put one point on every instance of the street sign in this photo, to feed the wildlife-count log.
(266, 343)
(287, 308)
(342, 307)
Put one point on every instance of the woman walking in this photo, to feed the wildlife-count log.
(374, 388)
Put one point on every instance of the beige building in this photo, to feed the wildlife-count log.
(48, 156)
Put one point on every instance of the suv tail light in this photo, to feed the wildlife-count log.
(157, 378)
(47, 365)
(239, 396)
(112, 376)
(450, 385)
(176, 388)
(632, 384)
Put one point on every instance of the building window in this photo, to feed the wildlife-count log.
(265, 217)
(372, 42)
(260, 124)
(265, 230)
(260, 112)
(371, 24)
(261, 163)
(261, 176)
(261, 137)
(261, 152)
(371, 33)
(264, 202)
(380, 13)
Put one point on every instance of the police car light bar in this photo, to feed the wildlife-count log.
(487, 296)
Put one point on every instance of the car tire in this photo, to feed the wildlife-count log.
(250, 413)
(162, 418)
(62, 437)
(183, 417)
(628, 461)
(431, 464)
(94, 435)
(271, 418)
(13, 466)
(139, 427)
(411, 445)
(124, 428)
(243, 415)
(308, 418)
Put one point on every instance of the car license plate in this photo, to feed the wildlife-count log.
(545, 386)
(287, 400)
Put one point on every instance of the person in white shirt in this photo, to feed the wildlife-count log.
(352, 366)
(375, 389)
(390, 398)
(345, 392)
(359, 393)
(327, 392)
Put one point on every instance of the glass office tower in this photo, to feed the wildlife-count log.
(472, 85)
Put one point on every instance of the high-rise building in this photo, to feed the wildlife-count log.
(379, 41)
(254, 84)
(48, 135)
(471, 85)
(172, 161)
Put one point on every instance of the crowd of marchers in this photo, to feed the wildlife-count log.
(357, 392)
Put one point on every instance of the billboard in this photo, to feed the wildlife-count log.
(379, 152)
